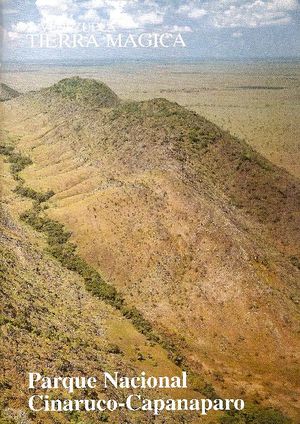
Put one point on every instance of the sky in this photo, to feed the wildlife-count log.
(223, 29)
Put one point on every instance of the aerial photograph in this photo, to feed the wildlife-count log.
(150, 211)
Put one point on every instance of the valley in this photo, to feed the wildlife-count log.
(50, 322)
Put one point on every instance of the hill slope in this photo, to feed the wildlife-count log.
(52, 325)
(7, 93)
(193, 227)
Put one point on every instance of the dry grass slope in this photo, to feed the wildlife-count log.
(51, 324)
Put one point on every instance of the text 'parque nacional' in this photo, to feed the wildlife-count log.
(133, 402)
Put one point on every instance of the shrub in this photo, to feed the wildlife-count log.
(295, 261)
(249, 155)
(140, 357)
(18, 162)
(208, 391)
(138, 320)
(202, 137)
(32, 194)
(115, 349)
(6, 150)
(255, 415)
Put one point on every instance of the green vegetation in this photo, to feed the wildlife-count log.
(139, 322)
(208, 391)
(185, 125)
(202, 137)
(161, 107)
(254, 414)
(32, 194)
(126, 108)
(6, 150)
(295, 261)
(87, 92)
(249, 155)
(156, 108)
(17, 161)
(115, 349)
(259, 87)
(65, 253)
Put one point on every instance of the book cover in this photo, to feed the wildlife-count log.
(149, 224)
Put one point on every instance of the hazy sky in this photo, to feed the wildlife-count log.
(224, 28)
